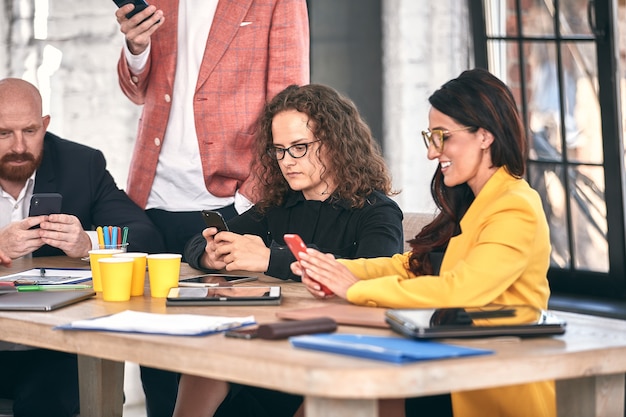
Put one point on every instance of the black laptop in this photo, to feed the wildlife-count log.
(491, 320)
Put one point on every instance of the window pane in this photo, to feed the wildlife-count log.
(573, 17)
(538, 19)
(589, 224)
(573, 93)
(583, 130)
(547, 179)
(544, 101)
(500, 18)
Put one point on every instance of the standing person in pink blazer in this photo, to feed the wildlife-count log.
(203, 70)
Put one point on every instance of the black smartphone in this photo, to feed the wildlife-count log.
(139, 6)
(45, 203)
(214, 219)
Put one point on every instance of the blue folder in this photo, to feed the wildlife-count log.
(384, 348)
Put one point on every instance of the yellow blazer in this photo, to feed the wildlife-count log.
(501, 256)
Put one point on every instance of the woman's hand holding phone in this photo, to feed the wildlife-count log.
(318, 268)
(296, 245)
(210, 259)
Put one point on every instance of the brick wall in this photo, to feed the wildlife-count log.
(74, 67)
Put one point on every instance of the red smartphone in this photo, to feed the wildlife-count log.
(296, 245)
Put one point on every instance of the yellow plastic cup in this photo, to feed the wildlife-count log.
(116, 275)
(94, 256)
(139, 271)
(163, 273)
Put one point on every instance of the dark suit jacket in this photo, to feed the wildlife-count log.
(89, 192)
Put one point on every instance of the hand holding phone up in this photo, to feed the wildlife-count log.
(296, 245)
(137, 36)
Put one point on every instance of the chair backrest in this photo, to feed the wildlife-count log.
(412, 224)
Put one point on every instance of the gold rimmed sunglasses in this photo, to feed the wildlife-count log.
(436, 137)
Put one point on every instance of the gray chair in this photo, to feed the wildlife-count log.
(412, 224)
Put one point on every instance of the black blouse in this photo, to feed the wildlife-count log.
(330, 226)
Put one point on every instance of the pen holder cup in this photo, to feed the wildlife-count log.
(123, 247)
(94, 256)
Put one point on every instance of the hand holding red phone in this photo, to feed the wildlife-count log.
(296, 245)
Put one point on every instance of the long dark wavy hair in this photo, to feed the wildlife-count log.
(353, 161)
(478, 99)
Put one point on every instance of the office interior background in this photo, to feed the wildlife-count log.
(564, 59)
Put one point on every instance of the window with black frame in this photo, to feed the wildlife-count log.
(559, 58)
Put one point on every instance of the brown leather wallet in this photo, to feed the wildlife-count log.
(284, 329)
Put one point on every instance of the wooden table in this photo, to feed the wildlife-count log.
(589, 361)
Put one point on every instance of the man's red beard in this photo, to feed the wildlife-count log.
(22, 172)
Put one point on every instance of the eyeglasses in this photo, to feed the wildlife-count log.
(296, 151)
(437, 136)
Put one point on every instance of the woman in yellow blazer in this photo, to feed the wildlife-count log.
(491, 228)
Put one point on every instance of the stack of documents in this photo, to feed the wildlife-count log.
(165, 324)
(43, 276)
(390, 349)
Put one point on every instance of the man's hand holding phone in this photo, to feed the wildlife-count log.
(64, 231)
(138, 21)
(297, 246)
(21, 238)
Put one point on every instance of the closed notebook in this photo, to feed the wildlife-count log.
(383, 348)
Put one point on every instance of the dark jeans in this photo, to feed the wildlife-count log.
(248, 401)
(161, 387)
(40, 382)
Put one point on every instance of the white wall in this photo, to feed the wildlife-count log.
(74, 65)
(424, 45)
